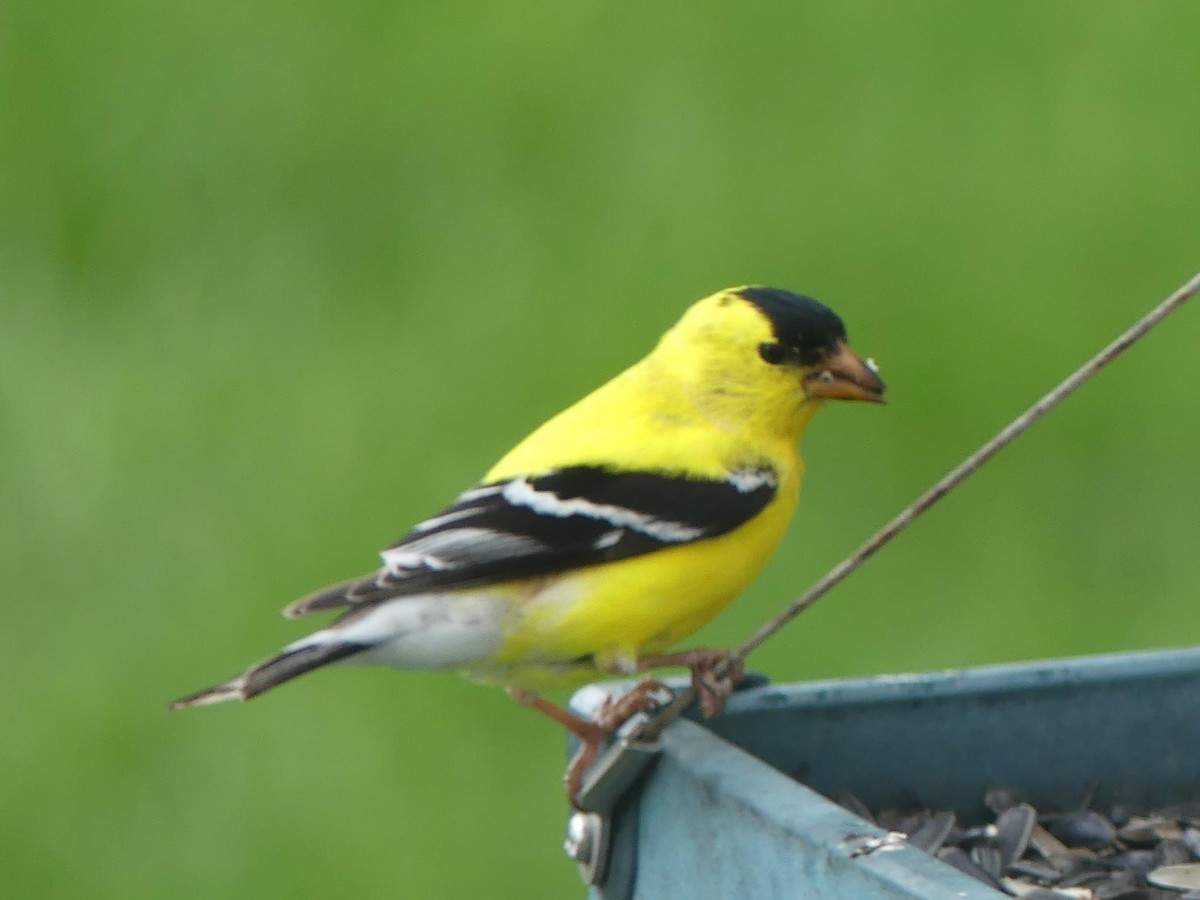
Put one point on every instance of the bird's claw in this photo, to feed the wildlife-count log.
(613, 713)
(715, 676)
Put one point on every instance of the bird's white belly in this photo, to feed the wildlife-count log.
(432, 631)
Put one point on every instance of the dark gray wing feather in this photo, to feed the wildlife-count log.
(541, 525)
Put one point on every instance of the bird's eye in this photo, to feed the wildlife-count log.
(773, 354)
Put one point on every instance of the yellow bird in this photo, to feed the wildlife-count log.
(614, 530)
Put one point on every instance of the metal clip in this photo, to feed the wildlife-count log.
(589, 829)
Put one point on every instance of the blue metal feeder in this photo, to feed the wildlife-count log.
(736, 807)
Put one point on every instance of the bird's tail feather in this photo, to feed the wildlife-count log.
(336, 596)
(279, 668)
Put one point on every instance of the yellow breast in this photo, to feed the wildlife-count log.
(563, 627)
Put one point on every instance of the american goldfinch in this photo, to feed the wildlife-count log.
(615, 529)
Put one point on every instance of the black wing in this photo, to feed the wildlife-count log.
(572, 517)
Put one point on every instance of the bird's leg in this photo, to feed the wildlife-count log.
(586, 730)
(593, 732)
(591, 736)
(713, 689)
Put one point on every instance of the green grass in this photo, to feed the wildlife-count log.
(278, 279)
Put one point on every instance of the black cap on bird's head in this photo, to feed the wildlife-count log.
(811, 335)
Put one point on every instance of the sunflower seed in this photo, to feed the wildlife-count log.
(1047, 844)
(1034, 892)
(1081, 828)
(933, 833)
(1000, 799)
(1119, 886)
(1173, 852)
(957, 858)
(1036, 871)
(1180, 878)
(1137, 860)
(1077, 854)
(990, 859)
(1014, 827)
(1149, 830)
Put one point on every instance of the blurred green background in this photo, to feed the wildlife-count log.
(278, 279)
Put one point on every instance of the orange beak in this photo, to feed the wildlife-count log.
(843, 375)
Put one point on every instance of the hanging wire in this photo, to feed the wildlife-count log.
(939, 490)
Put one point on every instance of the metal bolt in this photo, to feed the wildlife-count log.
(587, 844)
(581, 837)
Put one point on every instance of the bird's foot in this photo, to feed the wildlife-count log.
(715, 674)
(615, 711)
(611, 715)
(592, 733)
